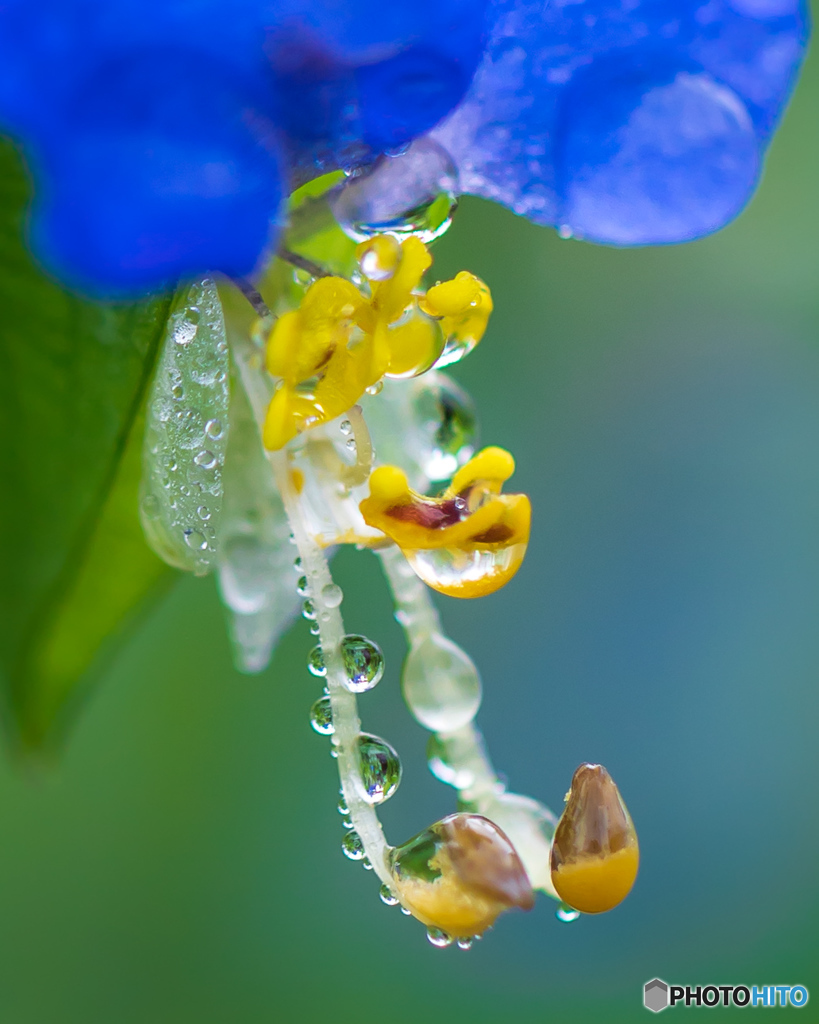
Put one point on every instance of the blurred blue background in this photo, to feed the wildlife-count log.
(182, 862)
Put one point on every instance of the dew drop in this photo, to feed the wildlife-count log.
(308, 609)
(314, 629)
(439, 938)
(151, 506)
(465, 943)
(315, 662)
(380, 768)
(566, 913)
(213, 428)
(388, 896)
(345, 427)
(206, 459)
(302, 588)
(375, 389)
(321, 717)
(363, 663)
(366, 864)
(440, 684)
(342, 805)
(332, 595)
(178, 392)
(297, 565)
(186, 326)
(412, 192)
(195, 540)
(204, 513)
(352, 846)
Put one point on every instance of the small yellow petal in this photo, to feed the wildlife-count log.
(451, 298)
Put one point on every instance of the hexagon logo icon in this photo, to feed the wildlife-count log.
(655, 995)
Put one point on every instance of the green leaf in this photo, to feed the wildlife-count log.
(74, 564)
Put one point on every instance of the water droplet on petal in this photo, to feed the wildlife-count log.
(302, 587)
(466, 943)
(308, 610)
(150, 506)
(332, 595)
(411, 193)
(206, 459)
(388, 896)
(457, 571)
(352, 846)
(213, 428)
(363, 662)
(195, 540)
(566, 913)
(438, 938)
(380, 768)
(321, 716)
(315, 662)
(440, 684)
(345, 427)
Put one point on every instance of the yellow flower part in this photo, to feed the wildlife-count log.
(459, 875)
(595, 854)
(467, 543)
(464, 306)
(339, 342)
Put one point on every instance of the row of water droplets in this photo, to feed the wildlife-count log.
(186, 433)
(378, 767)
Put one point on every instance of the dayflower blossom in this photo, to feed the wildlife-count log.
(163, 135)
(337, 428)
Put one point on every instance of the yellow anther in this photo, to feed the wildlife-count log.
(340, 341)
(459, 875)
(451, 298)
(467, 543)
(464, 305)
(595, 854)
(491, 465)
(388, 484)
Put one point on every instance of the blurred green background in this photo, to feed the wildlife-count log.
(182, 861)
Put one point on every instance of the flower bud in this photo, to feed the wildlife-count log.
(594, 852)
(459, 875)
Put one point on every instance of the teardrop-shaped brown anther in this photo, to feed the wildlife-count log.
(460, 874)
(595, 855)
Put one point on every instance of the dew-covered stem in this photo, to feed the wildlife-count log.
(314, 566)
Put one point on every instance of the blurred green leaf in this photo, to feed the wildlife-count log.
(74, 564)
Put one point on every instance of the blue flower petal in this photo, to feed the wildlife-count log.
(148, 177)
(628, 124)
(359, 78)
(153, 126)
